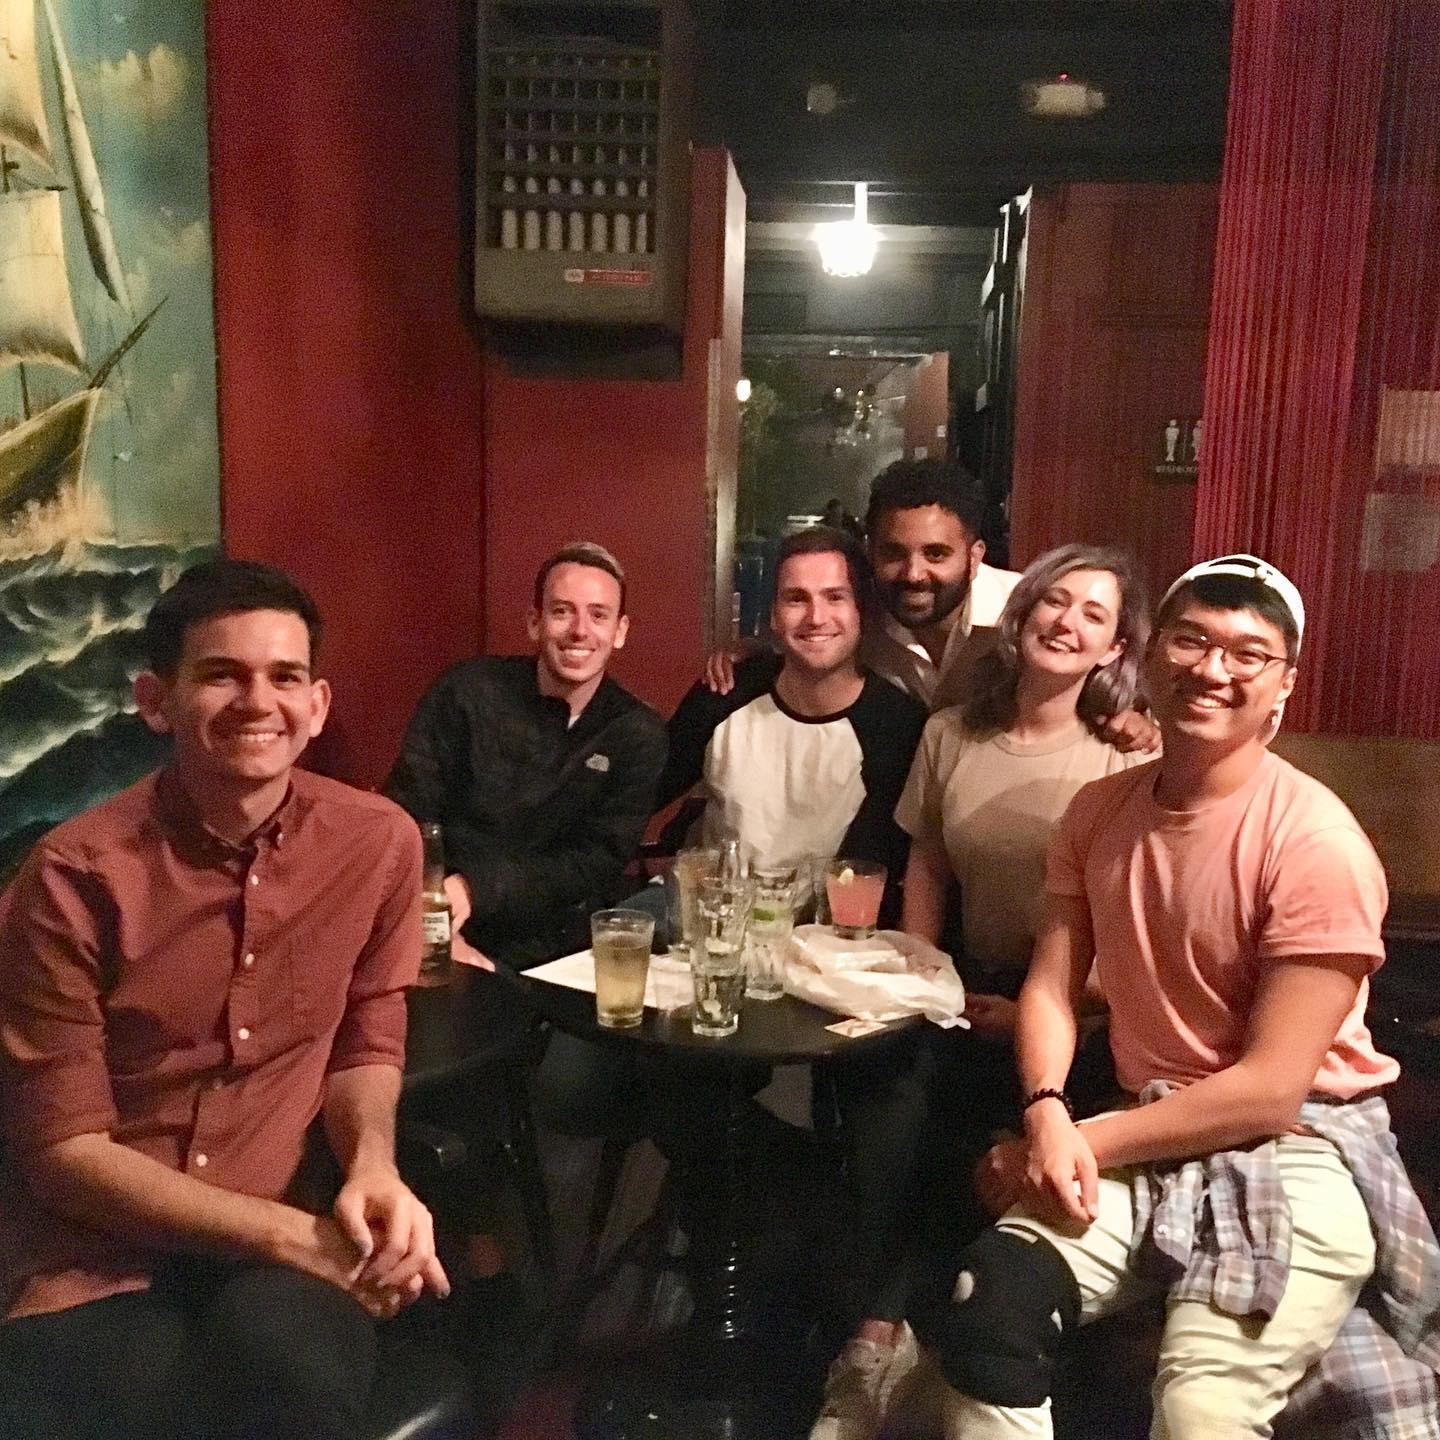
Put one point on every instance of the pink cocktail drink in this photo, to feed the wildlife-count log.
(854, 889)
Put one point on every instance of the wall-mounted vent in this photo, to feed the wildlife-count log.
(583, 164)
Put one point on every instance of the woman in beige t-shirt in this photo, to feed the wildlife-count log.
(993, 776)
(988, 783)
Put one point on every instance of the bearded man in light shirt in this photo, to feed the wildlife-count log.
(937, 603)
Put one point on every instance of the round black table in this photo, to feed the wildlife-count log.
(475, 1030)
(713, 1377)
(457, 1027)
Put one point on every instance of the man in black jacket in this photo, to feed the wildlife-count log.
(541, 769)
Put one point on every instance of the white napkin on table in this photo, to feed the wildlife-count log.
(887, 977)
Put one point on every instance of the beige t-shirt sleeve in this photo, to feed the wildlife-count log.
(919, 810)
(1327, 897)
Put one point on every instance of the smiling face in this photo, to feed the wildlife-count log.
(815, 617)
(576, 629)
(242, 704)
(924, 560)
(1070, 629)
(1201, 701)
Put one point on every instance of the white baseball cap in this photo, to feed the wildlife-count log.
(1247, 567)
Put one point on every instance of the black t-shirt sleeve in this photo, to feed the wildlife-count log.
(699, 715)
(888, 724)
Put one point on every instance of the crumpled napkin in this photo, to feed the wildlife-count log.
(887, 977)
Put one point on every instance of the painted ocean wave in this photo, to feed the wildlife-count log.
(82, 771)
(48, 703)
(71, 644)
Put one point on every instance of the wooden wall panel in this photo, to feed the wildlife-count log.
(1112, 346)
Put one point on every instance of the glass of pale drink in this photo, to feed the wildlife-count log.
(772, 917)
(854, 889)
(620, 941)
(718, 956)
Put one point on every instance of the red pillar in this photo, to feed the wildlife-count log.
(644, 467)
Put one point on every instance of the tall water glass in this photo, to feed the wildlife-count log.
(819, 866)
(772, 917)
(620, 940)
(690, 868)
(718, 958)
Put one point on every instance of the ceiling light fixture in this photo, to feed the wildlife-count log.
(1061, 97)
(847, 247)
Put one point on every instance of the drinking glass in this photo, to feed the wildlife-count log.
(819, 865)
(854, 889)
(690, 868)
(772, 917)
(620, 940)
(718, 958)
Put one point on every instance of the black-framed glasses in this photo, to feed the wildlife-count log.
(1242, 661)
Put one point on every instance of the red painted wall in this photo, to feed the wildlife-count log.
(350, 369)
(642, 467)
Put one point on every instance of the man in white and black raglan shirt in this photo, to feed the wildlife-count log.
(810, 759)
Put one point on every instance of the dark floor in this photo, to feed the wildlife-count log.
(542, 1354)
(542, 1358)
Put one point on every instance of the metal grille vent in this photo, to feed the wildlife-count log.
(572, 135)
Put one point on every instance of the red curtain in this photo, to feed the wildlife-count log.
(1322, 399)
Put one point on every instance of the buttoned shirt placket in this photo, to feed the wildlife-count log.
(254, 867)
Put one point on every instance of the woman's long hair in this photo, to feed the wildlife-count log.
(1108, 689)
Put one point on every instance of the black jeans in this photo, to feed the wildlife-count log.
(883, 1102)
(209, 1352)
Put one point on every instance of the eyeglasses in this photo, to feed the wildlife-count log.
(1188, 648)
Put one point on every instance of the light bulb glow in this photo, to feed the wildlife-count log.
(847, 247)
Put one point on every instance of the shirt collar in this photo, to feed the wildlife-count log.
(180, 816)
(553, 704)
(959, 632)
(904, 637)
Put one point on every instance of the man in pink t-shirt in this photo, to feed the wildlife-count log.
(1230, 907)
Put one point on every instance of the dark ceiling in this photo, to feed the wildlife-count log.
(930, 112)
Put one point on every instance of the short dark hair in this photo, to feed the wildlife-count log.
(222, 587)
(581, 552)
(1237, 592)
(828, 540)
(911, 484)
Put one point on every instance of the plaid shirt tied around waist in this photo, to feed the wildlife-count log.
(1218, 1230)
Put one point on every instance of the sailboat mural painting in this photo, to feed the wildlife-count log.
(109, 471)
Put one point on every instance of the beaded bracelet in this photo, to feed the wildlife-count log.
(1036, 1096)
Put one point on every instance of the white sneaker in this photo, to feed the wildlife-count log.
(858, 1387)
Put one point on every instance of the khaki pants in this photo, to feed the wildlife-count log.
(1218, 1377)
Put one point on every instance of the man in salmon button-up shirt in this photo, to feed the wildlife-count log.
(193, 971)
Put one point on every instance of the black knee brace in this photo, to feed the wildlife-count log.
(1013, 1300)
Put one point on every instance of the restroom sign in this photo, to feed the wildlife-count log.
(1177, 446)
